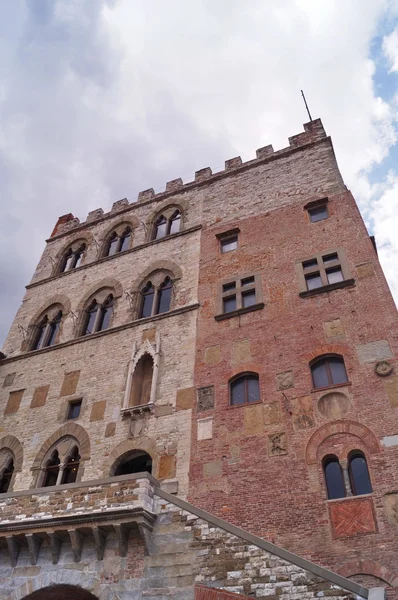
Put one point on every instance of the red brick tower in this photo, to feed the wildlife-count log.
(295, 432)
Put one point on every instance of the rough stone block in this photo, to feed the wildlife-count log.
(365, 270)
(334, 405)
(368, 353)
(39, 396)
(185, 398)
(212, 468)
(334, 329)
(174, 184)
(212, 355)
(391, 503)
(163, 409)
(98, 410)
(167, 466)
(285, 380)
(272, 413)
(119, 205)
(277, 444)
(206, 398)
(391, 386)
(241, 352)
(303, 415)
(203, 174)
(69, 384)
(110, 429)
(205, 428)
(9, 379)
(231, 163)
(14, 401)
(352, 517)
(254, 419)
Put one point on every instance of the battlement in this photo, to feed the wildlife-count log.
(313, 132)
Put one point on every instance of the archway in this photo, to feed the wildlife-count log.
(136, 461)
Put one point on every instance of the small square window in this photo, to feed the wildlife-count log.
(247, 281)
(330, 258)
(248, 298)
(229, 304)
(229, 287)
(318, 213)
(229, 244)
(313, 281)
(74, 409)
(309, 264)
(335, 275)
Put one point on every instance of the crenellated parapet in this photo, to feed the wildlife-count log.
(313, 132)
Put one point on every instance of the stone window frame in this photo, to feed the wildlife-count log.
(227, 236)
(137, 353)
(51, 316)
(68, 403)
(240, 375)
(101, 296)
(315, 204)
(63, 455)
(119, 230)
(76, 248)
(319, 268)
(6, 459)
(167, 212)
(344, 464)
(332, 386)
(156, 274)
(239, 292)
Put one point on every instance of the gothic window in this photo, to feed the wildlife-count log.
(118, 242)
(328, 371)
(142, 381)
(72, 258)
(5, 478)
(98, 315)
(51, 471)
(244, 389)
(71, 466)
(136, 461)
(46, 332)
(156, 299)
(359, 474)
(334, 477)
(167, 223)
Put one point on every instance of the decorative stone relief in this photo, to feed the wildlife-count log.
(285, 380)
(137, 428)
(334, 328)
(383, 368)
(149, 378)
(350, 517)
(302, 411)
(205, 398)
(212, 355)
(277, 444)
(272, 413)
(391, 503)
(334, 405)
(374, 351)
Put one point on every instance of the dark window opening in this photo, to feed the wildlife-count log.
(244, 389)
(5, 479)
(248, 298)
(359, 474)
(318, 213)
(113, 244)
(72, 259)
(229, 244)
(125, 240)
(106, 314)
(229, 304)
(90, 318)
(148, 295)
(138, 463)
(328, 371)
(175, 223)
(71, 467)
(54, 328)
(164, 296)
(51, 470)
(334, 275)
(313, 281)
(160, 228)
(41, 330)
(142, 381)
(229, 287)
(74, 409)
(334, 478)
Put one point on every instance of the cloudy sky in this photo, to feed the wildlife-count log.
(100, 99)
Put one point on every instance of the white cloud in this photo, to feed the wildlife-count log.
(103, 99)
(390, 49)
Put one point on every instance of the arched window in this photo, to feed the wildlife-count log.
(156, 299)
(142, 381)
(118, 242)
(71, 466)
(72, 258)
(98, 315)
(334, 477)
(6, 476)
(327, 371)
(244, 389)
(359, 474)
(51, 470)
(167, 223)
(136, 461)
(46, 332)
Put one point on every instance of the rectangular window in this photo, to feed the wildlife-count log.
(229, 244)
(323, 271)
(74, 409)
(240, 294)
(318, 213)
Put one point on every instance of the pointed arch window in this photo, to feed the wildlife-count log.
(359, 474)
(328, 370)
(166, 224)
(6, 476)
(47, 331)
(142, 381)
(334, 477)
(72, 258)
(98, 315)
(71, 466)
(52, 470)
(156, 300)
(118, 242)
